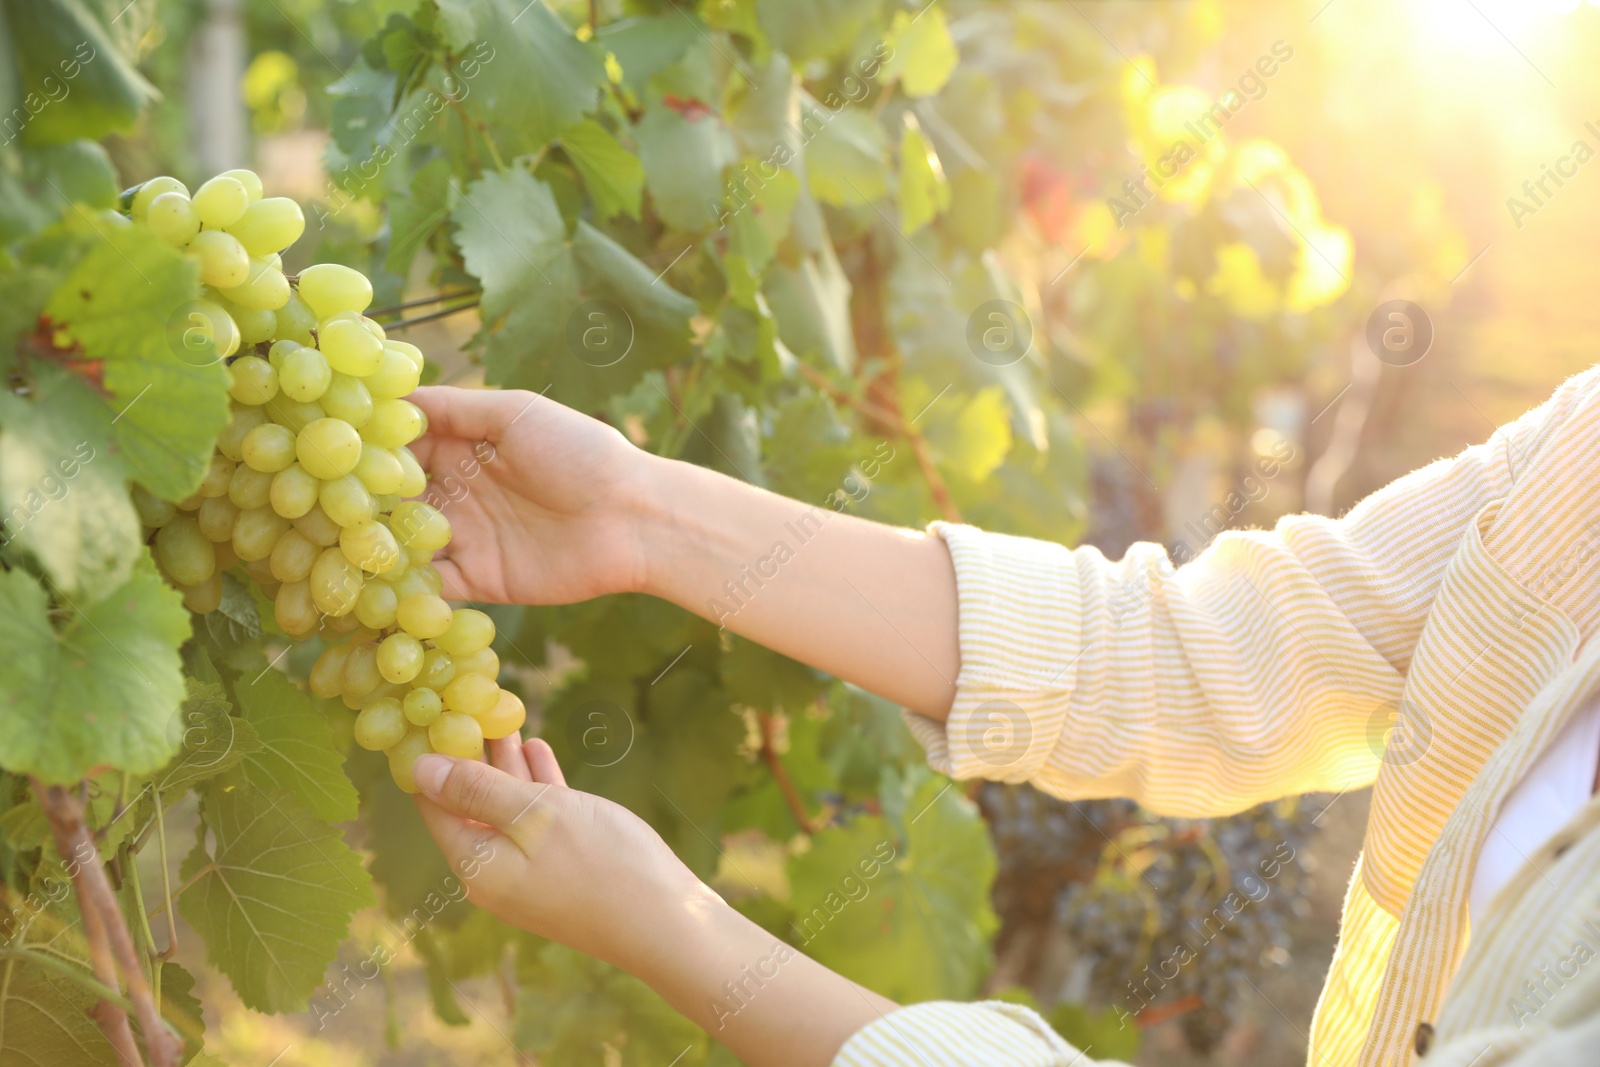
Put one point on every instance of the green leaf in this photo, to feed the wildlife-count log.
(458, 22)
(812, 305)
(116, 305)
(213, 739)
(540, 79)
(1106, 1031)
(44, 1016)
(901, 907)
(924, 53)
(513, 241)
(81, 171)
(72, 78)
(99, 689)
(847, 156)
(414, 216)
(972, 436)
(62, 491)
(924, 193)
(272, 897)
(683, 163)
(815, 29)
(659, 314)
(645, 45)
(297, 754)
(768, 680)
(614, 176)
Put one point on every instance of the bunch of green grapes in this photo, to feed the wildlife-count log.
(306, 492)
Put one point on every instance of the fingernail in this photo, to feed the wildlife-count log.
(429, 773)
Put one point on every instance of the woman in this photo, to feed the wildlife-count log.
(1432, 642)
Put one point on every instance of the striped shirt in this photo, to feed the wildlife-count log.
(1430, 643)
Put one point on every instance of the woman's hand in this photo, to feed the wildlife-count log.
(593, 876)
(554, 861)
(539, 496)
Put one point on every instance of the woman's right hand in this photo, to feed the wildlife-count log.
(540, 497)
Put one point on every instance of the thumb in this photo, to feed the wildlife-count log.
(476, 790)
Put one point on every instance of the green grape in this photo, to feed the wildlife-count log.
(472, 694)
(410, 583)
(335, 583)
(372, 326)
(413, 480)
(330, 288)
(316, 525)
(431, 577)
(225, 556)
(395, 376)
(247, 178)
(218, 474)
(423, 615)
(349, 347)
(293, 413)
(268, 448)
(387, 502)
(403, 757)
(422, 706)
(261, 571)
(303, 374)
(408, 349)
(380, 725)
(172, 218)
(264, 289)
(153, 511)
(438, 669)
(455, 734)
(293, 556)
(400, 657)
(505, 718)
(254, 326)
(294, 493)
(220, 202)
(394, 423)
(279, 350)
(347, 398)
(375, 607)
(206, 597)
(294, 610)
(252, 380)
(256, 532)
(223, 261)
(250, 488)
(296, 321)
(328, 448)
(269, 225)
(139, 209)
(361, 674)
(379, 469)
(216, 517)
(184, 552)
(347, 501)
(327, 673)
(483, 661)
(370, 546)
(230, 441)
(469, 631)
(419, 524)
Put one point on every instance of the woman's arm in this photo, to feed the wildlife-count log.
(550, 506)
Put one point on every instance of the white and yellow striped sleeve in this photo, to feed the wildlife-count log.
(946, 1034)
(1267, 666)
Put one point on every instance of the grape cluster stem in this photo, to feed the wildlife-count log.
(780, 774)
(106, 935)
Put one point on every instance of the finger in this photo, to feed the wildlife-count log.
(541, 760)
(506, 754)
(473, 414)
(455, 836)
(474, 790)
(454, 580)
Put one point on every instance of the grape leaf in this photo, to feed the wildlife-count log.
(972, 436)
(847, 157)
(815, 29)
(62, 42)
(44, 1017)
(297, 755)
(812, 305)
(415, 215)
(62, 491)
(540, 79)
(659, 313)
(116, 305)
(512, 238)
(901, 906)
(214, 741)
(924, 53)
(100, 689)
(683, 163)
(613, 175)
(647, 44)
(273, 897)
(924, 193)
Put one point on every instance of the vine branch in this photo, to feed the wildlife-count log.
(110, 944)
(780, 773)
